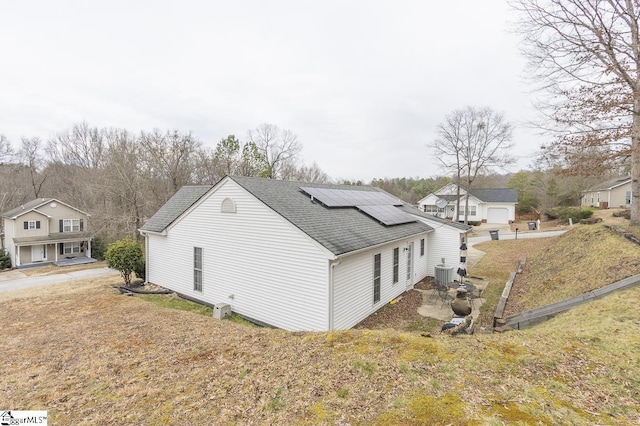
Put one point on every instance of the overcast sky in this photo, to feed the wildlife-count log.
(363, 84)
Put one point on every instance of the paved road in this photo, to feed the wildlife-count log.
(16, 280)
(474, 255)
(521, 235)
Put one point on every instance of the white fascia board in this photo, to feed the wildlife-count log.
(340, 256)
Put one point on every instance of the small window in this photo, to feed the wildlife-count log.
(31, 224)
(197, 269)
(71, 225)
(470, 210)
(422, 247)
(627, 199)
(376, 277)
(71, 248)
(396, 265)
(228, 206)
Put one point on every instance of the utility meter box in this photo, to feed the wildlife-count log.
(221, 310)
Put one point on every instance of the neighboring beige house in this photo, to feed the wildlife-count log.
(493, 205)
(612, 193)
(46, 230)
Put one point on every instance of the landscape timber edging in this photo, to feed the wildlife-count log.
(538, 315)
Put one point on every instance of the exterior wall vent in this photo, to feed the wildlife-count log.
(228, 206)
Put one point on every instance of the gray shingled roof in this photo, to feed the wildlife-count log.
(26, 207)
(340, 230)
(496, 195)
(611, 183)
(415, 211)
(172, 209)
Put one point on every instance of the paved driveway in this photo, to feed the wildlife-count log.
(16, 280)
(504, 233)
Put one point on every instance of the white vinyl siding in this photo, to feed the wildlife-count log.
(445, 243)
(256, 261)
(352, 284)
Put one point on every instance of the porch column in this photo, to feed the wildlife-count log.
(89, 248)
(57, 250)
(17, 259)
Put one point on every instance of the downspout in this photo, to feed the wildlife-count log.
(146, 256)
(332, 265)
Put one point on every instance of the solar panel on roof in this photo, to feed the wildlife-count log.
(387, 215)
(351, 197)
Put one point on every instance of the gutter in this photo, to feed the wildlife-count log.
(340, 256)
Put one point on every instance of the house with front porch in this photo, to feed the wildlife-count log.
(46, 230)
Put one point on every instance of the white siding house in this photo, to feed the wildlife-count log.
(493, 205)
(281, 257)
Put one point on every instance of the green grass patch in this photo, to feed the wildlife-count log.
(175, 302)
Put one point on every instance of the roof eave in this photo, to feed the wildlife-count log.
(361, 250)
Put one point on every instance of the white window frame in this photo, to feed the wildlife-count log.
(377, 277)
(396, 265)
(197, 269)
(471, 210)
(72, 247)
(70, 225)
(32, 224)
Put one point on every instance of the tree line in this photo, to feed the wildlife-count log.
(122, 178)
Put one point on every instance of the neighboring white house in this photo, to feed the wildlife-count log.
(494, 205)
(297, 256)
(612, 193)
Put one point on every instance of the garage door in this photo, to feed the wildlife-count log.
(497, 215)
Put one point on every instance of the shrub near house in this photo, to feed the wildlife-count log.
(566, 213)
(124, 256)
(5, 260)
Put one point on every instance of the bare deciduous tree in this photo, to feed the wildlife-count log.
(277, 147)
(31, 154)
(81, 146)
(170, 156)
(586, 56)
(6, 152)
(472, 141)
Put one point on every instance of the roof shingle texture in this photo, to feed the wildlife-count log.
(184, 198)
(340, 230)
(26, 207)
(496, 195)
(610, 184)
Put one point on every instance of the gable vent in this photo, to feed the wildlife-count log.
(228, 206)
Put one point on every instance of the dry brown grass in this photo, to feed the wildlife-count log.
(89, 355)
(500, 259)
(586, 258)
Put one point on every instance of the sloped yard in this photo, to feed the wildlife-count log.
(91, 356)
